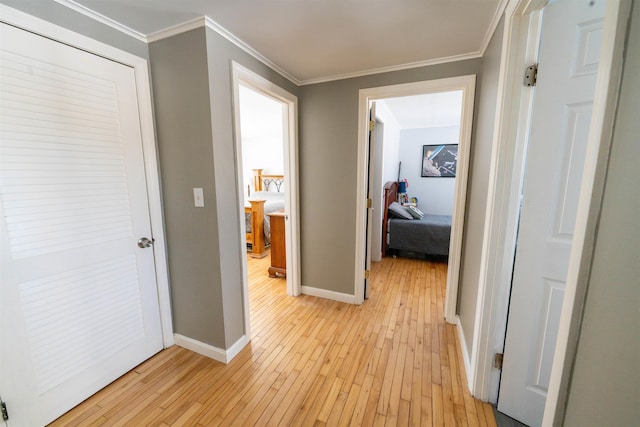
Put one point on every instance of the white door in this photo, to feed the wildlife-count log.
(79, 303)
(568, 62)
(370, 174)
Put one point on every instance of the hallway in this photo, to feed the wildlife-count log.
(392, 361)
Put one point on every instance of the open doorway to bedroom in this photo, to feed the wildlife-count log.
(266, 162)
(421, 161)
(416, 144)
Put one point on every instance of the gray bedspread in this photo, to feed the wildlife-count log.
(429, 235)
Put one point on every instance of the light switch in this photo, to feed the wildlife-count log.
(198, 198)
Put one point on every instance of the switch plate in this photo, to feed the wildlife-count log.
(198, 198)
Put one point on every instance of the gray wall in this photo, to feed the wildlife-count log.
(478, 185)
(605, 385)
(74, 21)
(183, 121)
(435, 195)
(328, 163)
(192, 82)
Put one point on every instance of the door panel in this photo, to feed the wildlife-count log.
(79, 304)
(569, 52)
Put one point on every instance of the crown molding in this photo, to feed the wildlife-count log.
(213, 25)
(177, 29)
(102, 19)
(205, 21)
(493, 25)
(400, 67)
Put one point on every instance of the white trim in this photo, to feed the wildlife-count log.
(492, 26)
(465, 352)
(589, 206)
(522, 32)
(213, 25)
(459, 199)
(248, 49)
(89, 13)
(520, 47)
(467, 85)
(154, 194)
(236, 348)
(326, 294)
(143, 89)
(205, 21)
(400, 67)
(242, 75)
(177, 29)
(207, 350)
(55, 32)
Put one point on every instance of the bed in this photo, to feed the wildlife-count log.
(268, 197)
(427, 236)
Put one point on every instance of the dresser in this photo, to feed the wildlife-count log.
(278, 248)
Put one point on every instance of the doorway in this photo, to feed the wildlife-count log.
(81, 279)
(560, 117)
(524, 18)
(253, 85)
(464, 84)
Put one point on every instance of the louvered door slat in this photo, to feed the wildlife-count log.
(73, 205)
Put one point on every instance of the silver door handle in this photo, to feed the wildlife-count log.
(145, 243)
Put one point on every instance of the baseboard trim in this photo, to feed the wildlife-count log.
(215, 353)
(236, 348)
(465, 354)
(332, 295)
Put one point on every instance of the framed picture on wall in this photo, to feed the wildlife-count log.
(439, 161)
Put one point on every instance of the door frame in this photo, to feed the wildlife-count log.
(246, 77)
(520, 49)
(465, 83)
(143, 90)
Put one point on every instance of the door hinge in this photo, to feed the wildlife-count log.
(531, 75)
(366, 274)
(3, 409)
(369, 203)
(497, 360)
(372, 125)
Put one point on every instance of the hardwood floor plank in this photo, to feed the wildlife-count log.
(392, 361)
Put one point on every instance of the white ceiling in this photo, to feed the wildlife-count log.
(315, 40)
(259, 115)
(425, 111)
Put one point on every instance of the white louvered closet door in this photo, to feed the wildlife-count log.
(78, 297)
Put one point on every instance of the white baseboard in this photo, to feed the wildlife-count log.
(236, 348)
(466, 357)
(332, 295)
(215, 353)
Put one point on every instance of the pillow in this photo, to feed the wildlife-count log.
(415, 212)
(398, 211)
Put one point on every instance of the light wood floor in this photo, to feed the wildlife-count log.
(392, 361)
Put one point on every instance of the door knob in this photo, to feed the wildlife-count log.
(145, 243)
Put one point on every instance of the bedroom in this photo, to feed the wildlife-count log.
(262, 144)
(262, 147)
(407, 129)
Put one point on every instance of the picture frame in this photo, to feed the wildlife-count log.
(439, 161)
